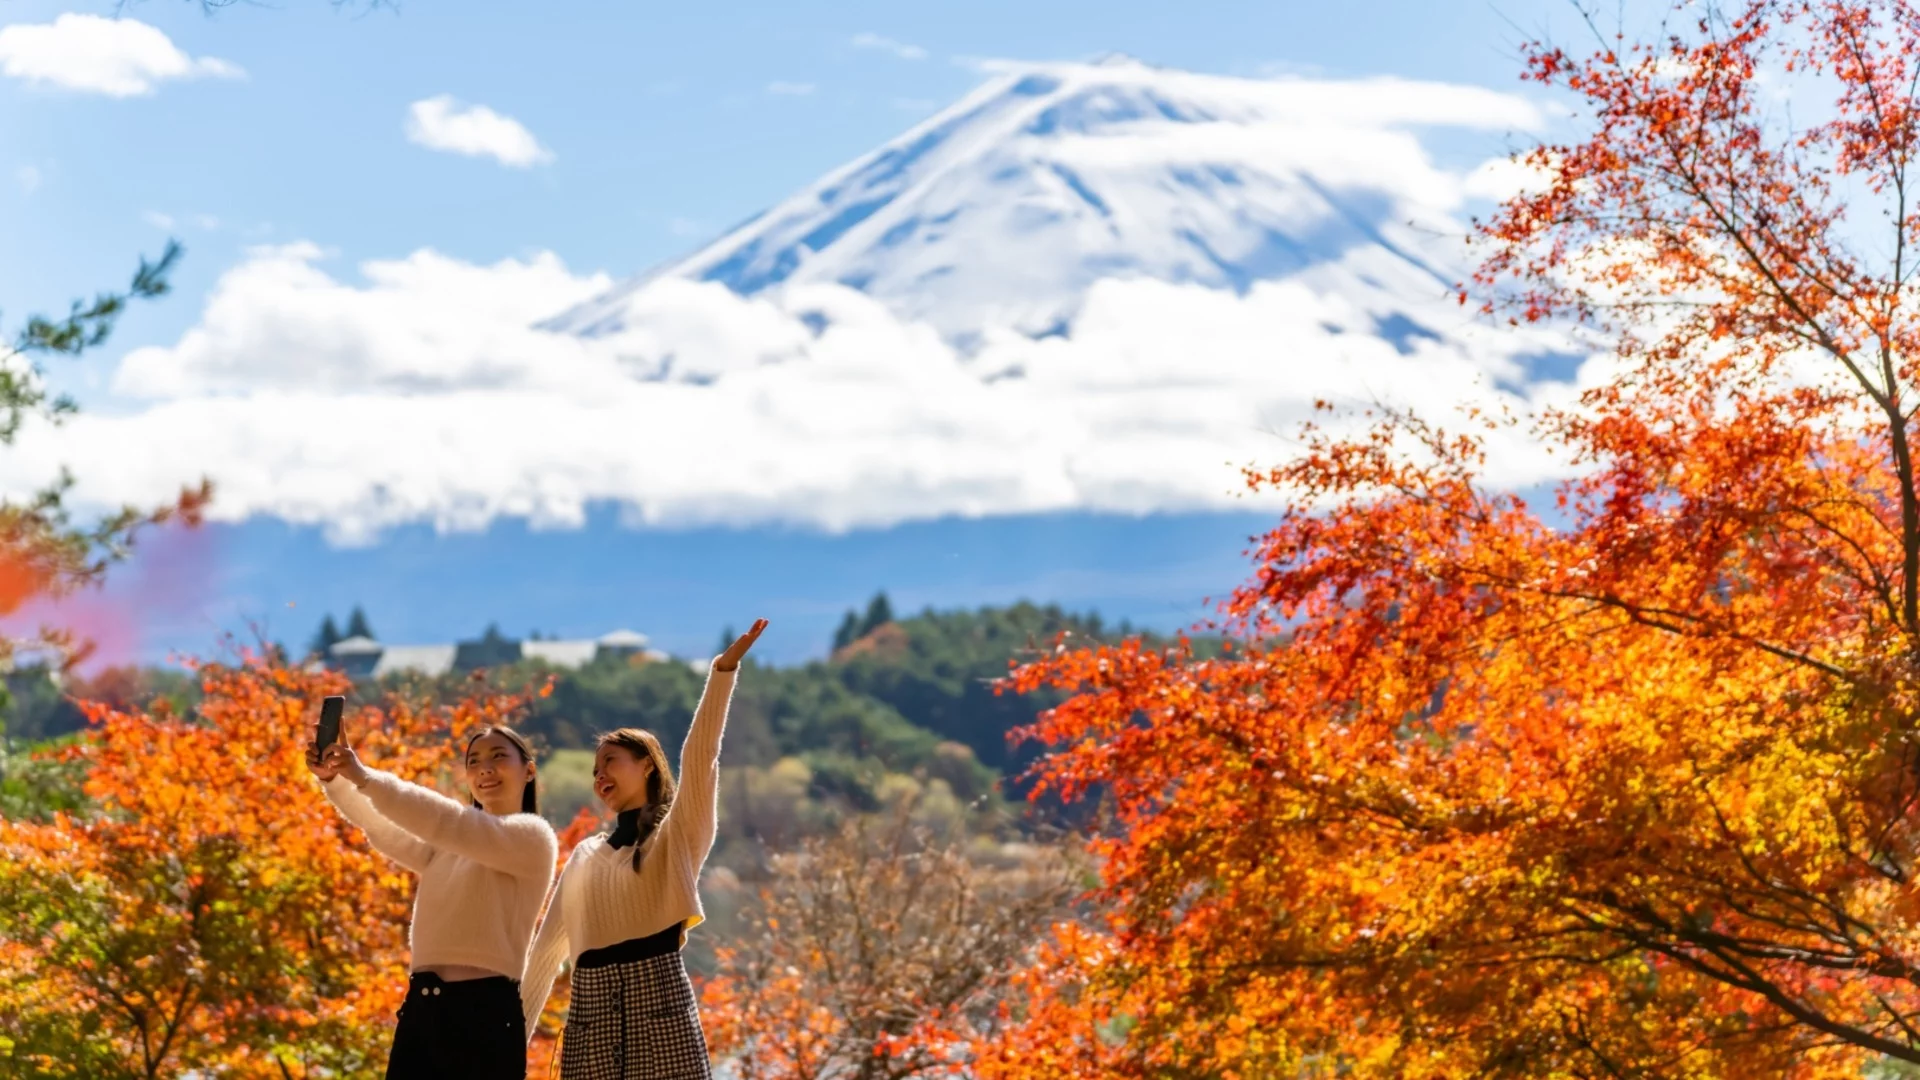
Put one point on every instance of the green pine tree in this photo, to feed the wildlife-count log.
(849, 631)
(879, 613)
(328, 636)
(357, 624)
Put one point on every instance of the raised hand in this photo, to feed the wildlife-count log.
(737, 651)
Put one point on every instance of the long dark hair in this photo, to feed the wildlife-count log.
(529, 798)
(661, 789)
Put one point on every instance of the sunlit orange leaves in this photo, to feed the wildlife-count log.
(211, 913)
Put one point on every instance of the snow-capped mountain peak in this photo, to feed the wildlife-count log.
(1002, 210)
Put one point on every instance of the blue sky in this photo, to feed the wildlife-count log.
(658, 126)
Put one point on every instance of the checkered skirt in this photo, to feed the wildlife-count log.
(634, 1021)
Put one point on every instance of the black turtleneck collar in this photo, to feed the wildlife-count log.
(627, 827)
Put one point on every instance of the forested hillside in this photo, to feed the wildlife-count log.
(902, 706)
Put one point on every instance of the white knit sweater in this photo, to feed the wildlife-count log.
(602, 901)
(482, 877)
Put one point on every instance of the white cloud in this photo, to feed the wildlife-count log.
(886, 44)
(163, 222)
(414, 328)
(1329, 104)
(1389, 101)
(116, 57)
(424, 394)
(1500, 179)
(28, 177)
(444, 123)
(790, 89)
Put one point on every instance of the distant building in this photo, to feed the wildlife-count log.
(365, 658)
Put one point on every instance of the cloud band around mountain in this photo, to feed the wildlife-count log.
(424, 395)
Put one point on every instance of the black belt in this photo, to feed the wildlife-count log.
(664, 943)
(428, 984)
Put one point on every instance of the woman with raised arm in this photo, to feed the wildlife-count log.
(484, 870)
(626, 900)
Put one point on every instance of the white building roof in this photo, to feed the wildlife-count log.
(566, 654)
(429, 660)
(435, 660)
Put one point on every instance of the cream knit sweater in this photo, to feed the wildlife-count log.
(482, 877)
(602, 901)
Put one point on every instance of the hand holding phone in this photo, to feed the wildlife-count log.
(328, 731)
(326, 734)
(337, 760)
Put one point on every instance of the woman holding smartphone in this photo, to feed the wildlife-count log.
(483, 872)
(627, 899)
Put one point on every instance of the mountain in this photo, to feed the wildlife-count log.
(1003, 210)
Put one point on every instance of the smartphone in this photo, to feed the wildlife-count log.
(329, 732)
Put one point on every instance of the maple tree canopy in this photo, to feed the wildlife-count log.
(1626, 789)
(209, 913)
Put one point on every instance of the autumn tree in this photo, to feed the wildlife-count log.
(1629, 790)
(878, 954)
(207, 914)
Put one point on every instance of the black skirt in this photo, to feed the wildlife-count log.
(471, 1028)
(633, 1015)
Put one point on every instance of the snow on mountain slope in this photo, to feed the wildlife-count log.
(1004, 209)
